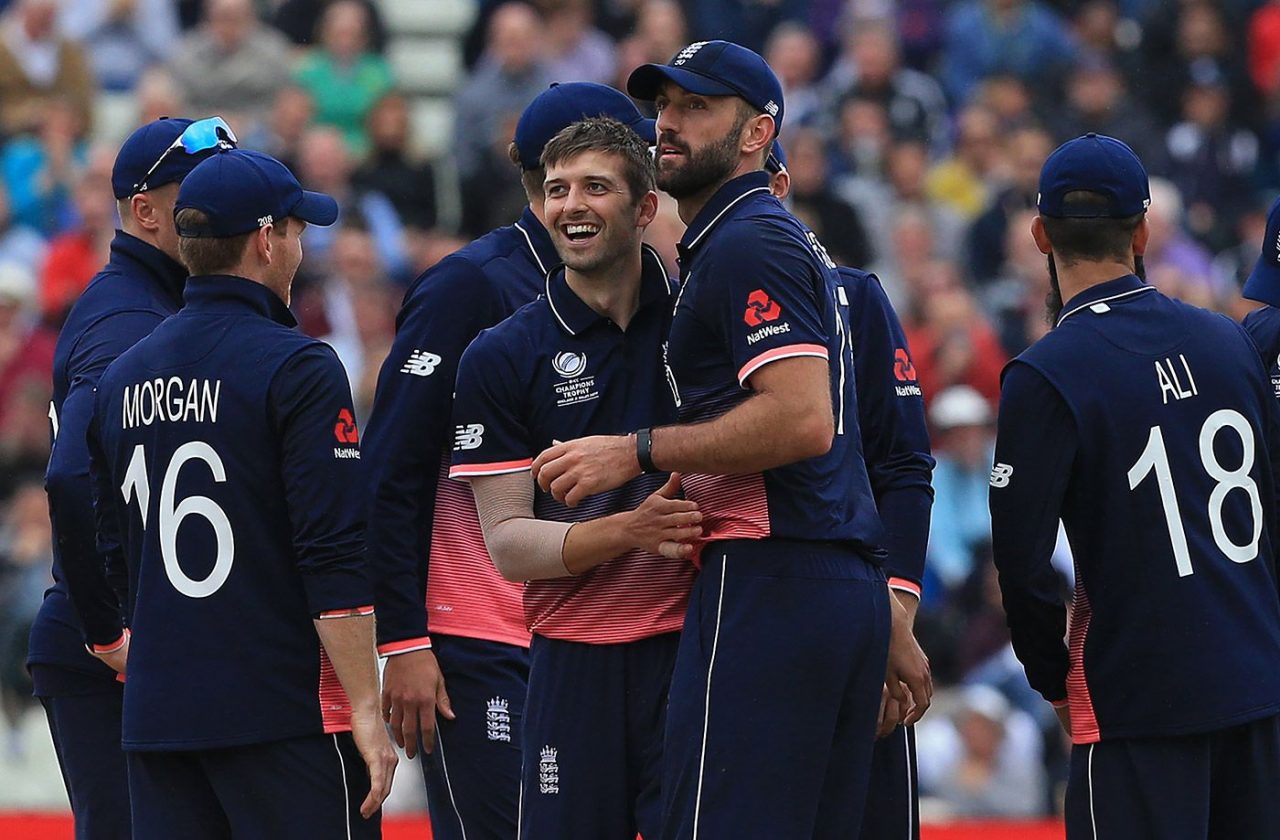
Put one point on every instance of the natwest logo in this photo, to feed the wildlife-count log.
(760, 309)
(345, 429)
(903, 369)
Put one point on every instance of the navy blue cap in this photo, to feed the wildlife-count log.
(143, 148)
(714, 68)
(777, 159)
(1264, 281)
(1094, 163)
(562, 105)
(243, 190)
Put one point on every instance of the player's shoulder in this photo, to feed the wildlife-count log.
(1263, 325)
(515, 338)
(755, 239)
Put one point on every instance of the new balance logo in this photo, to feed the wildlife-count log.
(548, 771)
(421, 363)
(498, 720)
(1000, 475)
(468, 437)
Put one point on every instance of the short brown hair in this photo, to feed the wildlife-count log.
(605, 134)
(209, 255)
(531, 179)
(1090, 239)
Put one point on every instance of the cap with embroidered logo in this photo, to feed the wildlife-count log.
(562, 105)
(714, 68)
(1099, 164)
(1264, 281)
(142, 159)
(243, 190)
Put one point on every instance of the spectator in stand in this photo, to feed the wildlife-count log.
(963, 180)
(26, 349)
(291, 115)
(869, 66)
(1022, 37)
(122, 37)
(26, 554)
(814, 202)
(1264, 49)
(39, 170)
(1007, 98)
(393, 170)
(325, 166)
(1175, 263)
(157, 95)
(1200, 32)
(984, 759)
(1024, 153)
(1097, 101)
(908, 268)
(510, 74)
(76, 255)
(963, 434)
(796, 57)
(39, 65)
(343, 77)
(19, 243)
(299, 21)
(662, 30)
(862, 138)
(231, 64)
(879, 202)
(1102, 33)
(1016, 299)
(744, 22)
(1233, 265)
(953, 344)
(1213, 156)
(577, 50)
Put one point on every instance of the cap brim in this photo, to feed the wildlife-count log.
(647, 129)
(645, 83)
(1263, 284)
(316, 208)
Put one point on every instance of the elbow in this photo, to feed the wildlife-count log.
(504, 559)
(815, 434)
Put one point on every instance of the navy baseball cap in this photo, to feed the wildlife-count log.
(143, 148)
(714, 68)
(562, 105)
(1094, 163)
(777, 160)
(1264, 281)
(243, 190)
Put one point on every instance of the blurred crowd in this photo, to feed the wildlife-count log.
(915, 133)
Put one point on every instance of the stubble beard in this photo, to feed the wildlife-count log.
(705, 168)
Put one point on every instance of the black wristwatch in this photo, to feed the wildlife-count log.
(644, 450)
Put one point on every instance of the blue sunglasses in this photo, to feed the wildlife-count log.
(200, 136)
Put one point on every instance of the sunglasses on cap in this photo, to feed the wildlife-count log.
(200, 136)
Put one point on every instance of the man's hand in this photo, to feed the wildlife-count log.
(907, 678)
(118, 658)
(890, 714)
(572, 471)
(412, 692)
(378, 754)
(663, 524)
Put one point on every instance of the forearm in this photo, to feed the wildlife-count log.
(910, 604)
(348, 640)
(763, 432)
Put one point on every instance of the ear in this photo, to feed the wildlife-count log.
(780, 185)
(648, 209)
(758, 134)
(262, 243)
(1041, 236)
(1141, 235)
(144, 212)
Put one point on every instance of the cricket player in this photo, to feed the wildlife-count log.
(788, 626)
(225, 460)
(445, 615)
(604, 605)
(139, 287)
(1147, 426)
(1263, 285)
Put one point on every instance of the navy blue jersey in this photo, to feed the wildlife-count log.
(1147, 425)
(225, 461)
(425, 545)
(757, 287)
(138, 288)
(557, 370)
(1264, 327)
(895, 436)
